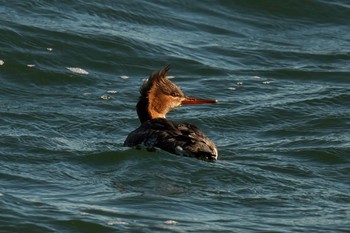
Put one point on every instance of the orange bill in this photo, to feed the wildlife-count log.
(190, 100)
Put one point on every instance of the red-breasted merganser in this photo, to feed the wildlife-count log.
(158, 97)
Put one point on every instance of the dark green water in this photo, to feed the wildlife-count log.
(280, 70)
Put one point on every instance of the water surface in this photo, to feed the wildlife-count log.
(280, 70)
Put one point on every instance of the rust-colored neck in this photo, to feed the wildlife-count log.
(145, 112)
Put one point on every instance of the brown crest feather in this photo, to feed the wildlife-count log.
(158, 77)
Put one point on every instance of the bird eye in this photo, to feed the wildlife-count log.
(175, 94)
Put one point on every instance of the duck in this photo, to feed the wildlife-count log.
(158, 96)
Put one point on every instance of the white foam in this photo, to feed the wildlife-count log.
(112, 92)
(117, 222)
(124, 77)
(106, 97)
(77, 70)
(170, 222)
(1, 62)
